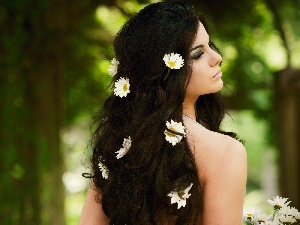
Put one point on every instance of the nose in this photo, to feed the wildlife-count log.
(216, 58)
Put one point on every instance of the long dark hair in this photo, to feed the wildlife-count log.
(136, 191)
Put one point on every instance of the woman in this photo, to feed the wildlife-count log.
(159, 156)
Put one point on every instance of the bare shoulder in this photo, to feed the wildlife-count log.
(92, 212)
(222, 165)
(214, 151)
(202, 139)
(223, 145)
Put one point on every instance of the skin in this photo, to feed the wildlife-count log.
(205, 66)
(92, 213)
(222, 160)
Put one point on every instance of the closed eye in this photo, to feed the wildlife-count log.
(197, 54)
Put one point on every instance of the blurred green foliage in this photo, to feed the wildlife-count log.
(54, 57)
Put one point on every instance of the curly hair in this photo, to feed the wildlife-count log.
(136, 191)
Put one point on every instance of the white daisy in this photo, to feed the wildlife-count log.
(176, 127)
(278, 202)
(288, 211)
(113, 68)
(180, 197)
(249, 213)
(297, 216)
(261, 217)
(173, 60)
(274, 222)
(287, 219)
(122, 87)
(103, 169)
(126, 146)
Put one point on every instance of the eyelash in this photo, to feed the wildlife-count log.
(197, 55)
(213, 46)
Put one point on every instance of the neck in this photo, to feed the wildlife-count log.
(189, 110)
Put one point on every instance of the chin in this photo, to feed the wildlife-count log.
(218, 87)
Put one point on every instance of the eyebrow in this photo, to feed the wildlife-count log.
(198, 46)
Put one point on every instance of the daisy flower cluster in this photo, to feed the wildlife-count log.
(174, 131)
(123, 151)
(122, 85)
(283, 214)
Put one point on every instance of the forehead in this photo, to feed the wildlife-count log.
(202, 36)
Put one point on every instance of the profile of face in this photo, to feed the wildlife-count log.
(206, 74)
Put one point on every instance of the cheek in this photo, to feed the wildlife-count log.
(200, 82)
(198, 69)
(198, 76)
(196, 83)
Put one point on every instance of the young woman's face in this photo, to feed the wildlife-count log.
(206, 72)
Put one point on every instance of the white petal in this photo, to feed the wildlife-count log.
(113, 68)
(104, 170)
(119, 89)
(120, 153)
(176, 127)
(126, 146)
(181, 201)
(173, 60)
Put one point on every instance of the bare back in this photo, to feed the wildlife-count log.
(222, 167)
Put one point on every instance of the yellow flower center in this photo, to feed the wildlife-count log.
(125, 87)
(181, 193)
(170, 134)
(171, 64)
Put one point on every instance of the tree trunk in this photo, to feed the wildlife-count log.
(288, 128)
(35, 59)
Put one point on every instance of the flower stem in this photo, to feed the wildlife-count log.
(274, 213)
(167, 74)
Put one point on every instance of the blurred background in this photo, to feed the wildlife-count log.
(54, 56)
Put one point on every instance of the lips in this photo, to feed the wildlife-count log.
(218, 74)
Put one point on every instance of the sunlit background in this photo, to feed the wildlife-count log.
(54, 57)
